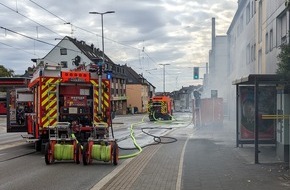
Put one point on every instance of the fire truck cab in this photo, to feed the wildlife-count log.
(160, 107)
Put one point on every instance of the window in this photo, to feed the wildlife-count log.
(267, 42)
(248, 54)
(281, 29)
(252, 53)
(63, 64)
(63, 51)
(260, 22)
(255, 52)
(271, 43)
(252, 8)
(248, 13)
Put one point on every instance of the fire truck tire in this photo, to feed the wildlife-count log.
(78, 148)
(86, 159)
(115, 154)
(48, 154)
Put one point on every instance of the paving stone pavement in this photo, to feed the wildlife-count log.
(209, 160)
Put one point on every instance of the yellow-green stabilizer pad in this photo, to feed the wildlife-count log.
(63, 152)
(101, 152)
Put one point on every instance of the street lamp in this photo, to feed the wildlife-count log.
(103, 62)
(164, 75)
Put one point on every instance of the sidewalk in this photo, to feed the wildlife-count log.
(202, 159)
(220, 165)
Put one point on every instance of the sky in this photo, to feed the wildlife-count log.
(157, 38)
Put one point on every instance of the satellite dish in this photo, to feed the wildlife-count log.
(77, 60)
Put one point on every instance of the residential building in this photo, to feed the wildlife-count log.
(138, 91)
(242, 48)
(183, 98)
(258, 29)
(73, 54)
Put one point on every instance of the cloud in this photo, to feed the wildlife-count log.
(170, 31)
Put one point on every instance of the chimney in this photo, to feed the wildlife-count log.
(213, 34)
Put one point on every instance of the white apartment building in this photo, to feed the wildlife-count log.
(258, 28)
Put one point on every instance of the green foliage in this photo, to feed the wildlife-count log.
(284, 62)
(4, 72)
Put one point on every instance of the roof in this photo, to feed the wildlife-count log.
(260, 78)
(90, 51)
(133, 77)
(93, 53)
(241, 6)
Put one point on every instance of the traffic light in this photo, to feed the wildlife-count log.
(195, 72)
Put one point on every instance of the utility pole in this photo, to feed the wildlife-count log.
(164, 75)
(103, 61)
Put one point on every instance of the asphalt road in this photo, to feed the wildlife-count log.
(23, 168)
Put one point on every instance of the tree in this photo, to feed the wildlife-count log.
(284, 62)
(4, 72)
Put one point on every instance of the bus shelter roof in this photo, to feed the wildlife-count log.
(259, 78)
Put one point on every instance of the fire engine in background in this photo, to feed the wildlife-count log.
(160, 107)
(62, 108)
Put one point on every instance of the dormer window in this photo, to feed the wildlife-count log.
(63, 51)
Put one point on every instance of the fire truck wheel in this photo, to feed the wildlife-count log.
(86, 159)
(48, 155)
(115, 154)
(78, 148)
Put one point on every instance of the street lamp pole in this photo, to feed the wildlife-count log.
(164, 75)
(103, 61)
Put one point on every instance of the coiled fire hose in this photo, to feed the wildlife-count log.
(134, 141)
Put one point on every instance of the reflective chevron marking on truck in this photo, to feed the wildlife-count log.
(163, 107)
(105, 98)
(49, 101)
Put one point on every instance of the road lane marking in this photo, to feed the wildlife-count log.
(180, 170)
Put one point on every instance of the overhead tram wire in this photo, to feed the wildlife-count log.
(48, 11)
(66, 22)
(29, 19)
(20, 49)
(17, 48)
(41, 41)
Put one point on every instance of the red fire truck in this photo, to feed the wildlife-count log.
(53, 97)
(160, 107)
